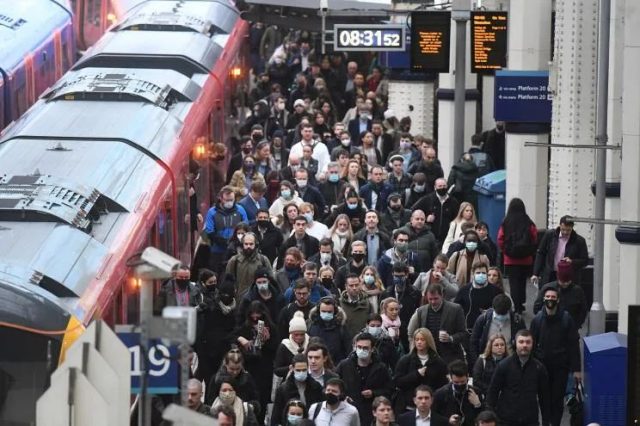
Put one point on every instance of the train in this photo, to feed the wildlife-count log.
(98, 169)
(37, 46)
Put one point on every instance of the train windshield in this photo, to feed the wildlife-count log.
(26, 361)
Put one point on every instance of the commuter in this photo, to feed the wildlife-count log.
(399, 253)
(341, 234)
(254, 200)
(232, 370)
(287, 276)
(557, 346)
(327, 322)
(286, 220)
(395, 215)
(355, 264)
(486, 243)
(330, 188)
(561, 244)
(320, 364)
(194, 397)
(383, 344)
(301, 304)
(421, 240)
(288, 195)
(495, 278)
(294, 414)
(406, 296)
(459, 244)
(362, 121)
(307, 191)
(377, 240)
(307, 244)
(437, 274)
(458, 401)
(246, 148)
(368, 150)
(316, 229)
(382, 141)
(298, 386)
(482, 160)
(243, 178)
(417, 189)
(399, 180)
(269, 237)
(374, 194)
(517, 241)
(372, 286)
(466, 214)
(572, 298)
(422, 414)
(327, 256)
(320, 151)
(421, 366)
(263, 290)
(178, 291)
(429, 166)
(288, 172)
(493, 144)
(406, 151)
(495, 350)
(334, 411)
(382, 412)
(487, 418)
(461, 262)
(278, 117)
(220, 222)
(519, 389)
(476, 296)
(364, 376)
(462, 177)
(440, 209)
(244, 266)
(355, 304)
(499, 319)
(235, 242)
(279, 152)
(443, 319)
(352, 175)
(265, 163)
(391, 324)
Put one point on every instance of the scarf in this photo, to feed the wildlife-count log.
(238, 408)
(293, 347)
(392, 327)
(227, 309)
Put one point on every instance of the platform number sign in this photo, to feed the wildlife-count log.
(162, 361)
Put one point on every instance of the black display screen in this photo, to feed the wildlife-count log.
(430, 41)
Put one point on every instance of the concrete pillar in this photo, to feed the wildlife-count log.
(529, 49)
(614, 159)
(572, 171)
(446, 105)
(630, 195)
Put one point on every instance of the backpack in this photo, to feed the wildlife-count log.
(519, 243)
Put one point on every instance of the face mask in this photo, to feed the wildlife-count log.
(399, 281)
(227, 204)
(550, 303)
(248, 251)
(327, 282)
(402, 247)
(227, 397)
(256, 137)
(286, 194)
(246, 150)
(326, 316)
(441, 191)
(331, 398)
(471, 245)
(352, 206)
(374, 331)
(182, 283)
(365, 117)
(345, 142)
(300, 376)
(419, 188)
(309, 217)
(480, 278)
(249, 167)
(358, 257)
(369, 279)
(405, 145)
(294, 419)
(263, 287)
(240, 237)
(227, 299)
(262, 223)
(500, 318)
(459, 388)
(362, 353)
(325, 257)
(500, 127)
(301, 183)
(295, 167)
(334, 177)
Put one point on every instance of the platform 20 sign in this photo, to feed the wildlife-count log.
(369, 37)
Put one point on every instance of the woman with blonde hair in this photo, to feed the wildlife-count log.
(353, 175)
(341, 233)
(372, 286)
(496, 350)
(390, 313)
(466, 213)
(421, 366)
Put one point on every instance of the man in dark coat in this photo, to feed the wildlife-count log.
(307, 244)
(563, 243)
(421, 240)
(364, 376)
(309, 193)
(395, 215)
(178, 291)
(375, 192)
(458, 401)
(265, 290)
(301, 303)
(376, 239)
(440, 209)
(327, 256)
(330, 189)
(423, 400)
(269, 237)
(326, 321)
(572, 298)
(493, 144)
(429, 166)
(463, 175)
(477, 296)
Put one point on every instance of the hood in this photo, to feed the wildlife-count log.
(340, 318)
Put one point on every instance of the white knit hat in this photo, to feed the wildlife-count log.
(297, 323)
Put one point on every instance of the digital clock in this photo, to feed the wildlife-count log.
(368, 37)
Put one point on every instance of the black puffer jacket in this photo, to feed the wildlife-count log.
(423, 242)
(333, 333)
(407, 378)
(463, 175)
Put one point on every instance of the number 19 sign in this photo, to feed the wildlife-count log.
(161, 360)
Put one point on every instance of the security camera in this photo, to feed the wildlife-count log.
(156, 264)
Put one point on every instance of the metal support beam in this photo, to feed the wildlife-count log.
(567, 145)
(597, 313)
(146, 315)
(460, 15)
(605, 221)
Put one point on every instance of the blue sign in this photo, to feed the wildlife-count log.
(162, 361)
(522, 97)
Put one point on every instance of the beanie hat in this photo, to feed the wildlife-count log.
(564, 272)
(261, 272)
(297, 323)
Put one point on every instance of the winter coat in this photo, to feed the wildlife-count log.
(448, 281)
(447, 404)
(556, 340)
(220, 223)
(167, 296)
(311, 247)
(423, 242)
(357, 312)
(377, 380)
(243, 268)
(407, 378)
(572, 300)
(483, 370)
(391, 220)
(383, 190)
(384, 240)
(386, 262)
(463, 175)
(215, 328)
(576, 250)
(475, 301)
(480, 335)
(244, 385)
(289, 390)
(444, 213)
(250, 207)
(432, 171)
(510, 261)
(268, 240)
(333, 333)
(285, 353)
(409, 301)
(274, 305)
(459, 264)
(286, 314)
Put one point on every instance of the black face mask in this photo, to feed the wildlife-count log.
(459, 388)
(550, 303)
(331, 398)
(358, 257)
(441, 191)
(227, 299)
(256, 137)
(327, 282)
(182, 284)
(263, 223)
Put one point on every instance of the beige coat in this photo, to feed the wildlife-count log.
(458, 265)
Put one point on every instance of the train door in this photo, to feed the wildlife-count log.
(91, 19)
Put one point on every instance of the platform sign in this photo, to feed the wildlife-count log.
(369, 37)
(430, 41)
(522, 97)
(164, 371)
(488, 41)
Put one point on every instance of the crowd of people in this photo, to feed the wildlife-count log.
(346, 281)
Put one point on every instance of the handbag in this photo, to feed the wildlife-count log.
(576, 406)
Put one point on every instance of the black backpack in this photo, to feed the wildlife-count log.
(519, 243)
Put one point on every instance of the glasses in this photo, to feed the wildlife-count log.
(295, 403)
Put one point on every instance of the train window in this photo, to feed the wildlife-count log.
(184, 240)
(164, 224)
(21, 103)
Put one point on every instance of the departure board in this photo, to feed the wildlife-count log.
(488, 41)
(430, 41)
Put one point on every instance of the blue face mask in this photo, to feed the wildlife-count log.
(352, 206)
(362, 353)
(480, 278)
(300, 376)
(334, 177)
(369, 279)
(374, 331)
(500, 318)
(399, 281)
(294, 419)
(309, 217)
(286, 194)
(326, 316)
(471, 245)
(262, 287)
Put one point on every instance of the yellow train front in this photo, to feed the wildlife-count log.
(97, 170)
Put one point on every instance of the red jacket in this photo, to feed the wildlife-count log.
(510, 260)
